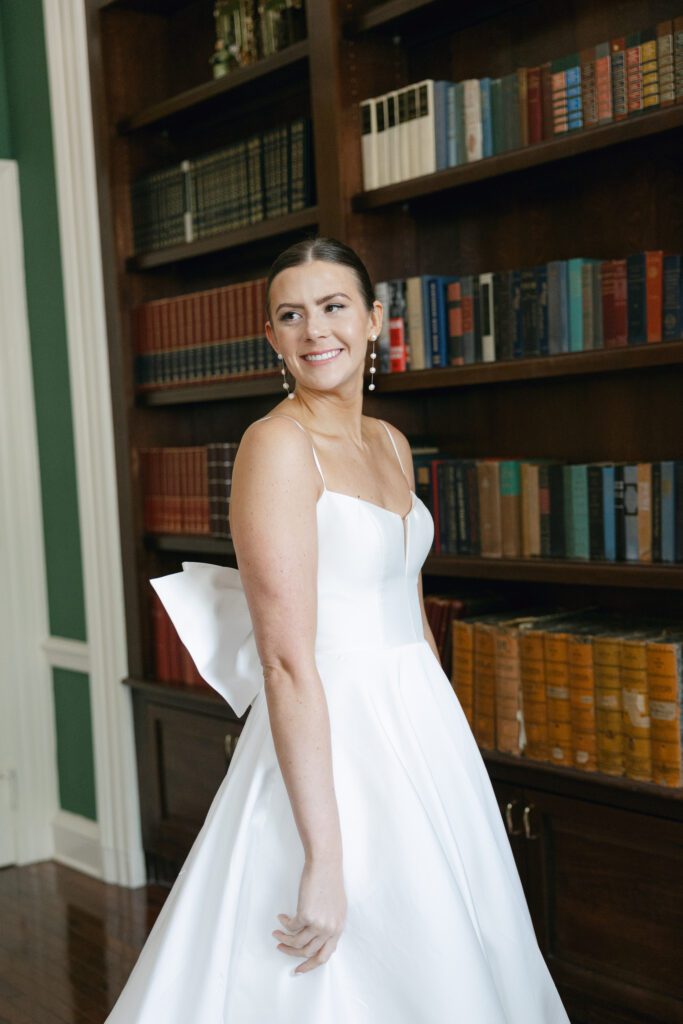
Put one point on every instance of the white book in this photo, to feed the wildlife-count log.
(368, 128)
(426, 128)
(382, 141)
(473, 127)
(393, 138)
(488, 329)
(404, 134)
(415, 323)
(414, 137)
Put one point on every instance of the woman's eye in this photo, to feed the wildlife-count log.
(335, 305)
(286, 316)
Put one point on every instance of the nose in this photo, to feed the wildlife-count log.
(316, 327)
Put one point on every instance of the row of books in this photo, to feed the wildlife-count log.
(431, 125)
(543, 508)
(172, 662)
(584, 690)
(572, 305)
(202, 336)
(187, 489)
(248, 31)
(266, 175)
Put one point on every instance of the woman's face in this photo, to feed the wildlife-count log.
(317, 310)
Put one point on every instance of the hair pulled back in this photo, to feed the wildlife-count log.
(320, 248)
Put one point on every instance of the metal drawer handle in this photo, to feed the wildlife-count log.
(508, 818)
(526, 817)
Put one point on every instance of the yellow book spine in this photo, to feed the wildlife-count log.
(635, 709)
(508, 690)
(608, 717)
(582, 702)
(665, 689)
(484, 686)
(534, 698)
(462, 668)
(557, 689)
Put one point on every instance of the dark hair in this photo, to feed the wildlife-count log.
(320, 248)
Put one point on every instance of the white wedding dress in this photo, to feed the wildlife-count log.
(437, 929)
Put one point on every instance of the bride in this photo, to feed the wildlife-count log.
(355, 843)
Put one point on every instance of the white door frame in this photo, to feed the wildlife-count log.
(113, 737)
(27, 751)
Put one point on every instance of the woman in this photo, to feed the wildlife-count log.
(356, 842)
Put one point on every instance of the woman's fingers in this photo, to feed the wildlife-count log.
(309, 949)
(321, 957)
(297, 940)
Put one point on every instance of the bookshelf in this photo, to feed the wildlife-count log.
(584, 842)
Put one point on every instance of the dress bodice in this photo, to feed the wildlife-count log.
(369, 560)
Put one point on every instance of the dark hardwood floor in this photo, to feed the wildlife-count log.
(67, 943)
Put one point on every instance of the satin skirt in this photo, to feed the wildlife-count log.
(438, 928)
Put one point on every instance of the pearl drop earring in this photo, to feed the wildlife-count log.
(373, 356)
(285, 385)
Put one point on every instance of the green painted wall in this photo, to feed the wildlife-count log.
(74, 743)
(26, 136)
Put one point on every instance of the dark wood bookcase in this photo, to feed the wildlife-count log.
(601, 858)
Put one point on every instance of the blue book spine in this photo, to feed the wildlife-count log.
(668, 512)
(567, 511)
(672, 327)
(574, 104)
(461, 143)
(452, 138)
(434, 321)
(542, 300)
(486, 119)
(580, 522)
(441, 124)
(517, 325)
(426, 322)
(442, 282)
(575, 302)
(610, 533)
(497, 126)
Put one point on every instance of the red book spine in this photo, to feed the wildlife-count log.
(654, 281)
(398, 352)
(620, 302)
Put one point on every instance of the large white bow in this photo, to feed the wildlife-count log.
(209, 610)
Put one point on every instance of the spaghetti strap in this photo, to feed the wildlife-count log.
(395, 448)
(283, 415)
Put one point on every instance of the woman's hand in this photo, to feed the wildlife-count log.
(314, 931)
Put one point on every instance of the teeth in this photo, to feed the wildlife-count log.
(322, 356)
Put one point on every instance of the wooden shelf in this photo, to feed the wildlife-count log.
(188, 694)
(189, 543)
(408, 17)
(608, 360)
(636, 357)
(542, 153)
(558, 570)
(271, 228)
(165, 7)
(214, 391)
(616, 791)
(270, 72)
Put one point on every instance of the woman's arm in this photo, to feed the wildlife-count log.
(274, 530)
(403, 446)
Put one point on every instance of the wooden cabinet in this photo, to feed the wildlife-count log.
(603, 887)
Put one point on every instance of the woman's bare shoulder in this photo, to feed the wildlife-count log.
(276, 448)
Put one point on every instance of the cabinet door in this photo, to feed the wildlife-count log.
(183, 758)
(606, 896)
(511, 802)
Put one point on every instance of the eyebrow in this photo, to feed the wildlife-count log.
(318, 302)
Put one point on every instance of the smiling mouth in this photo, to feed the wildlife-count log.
(322, 357)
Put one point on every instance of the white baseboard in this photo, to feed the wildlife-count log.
(77, 843)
